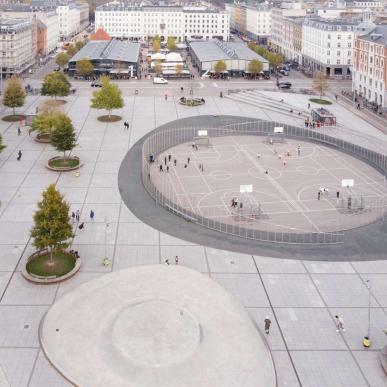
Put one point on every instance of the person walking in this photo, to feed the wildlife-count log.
(19, 155)
(299, 150)
(161, 167)
(165, 160)
(337, 194)
(81, 226)
(318, 195)
(267, 322)
(166, 261)
(188, 160)
(166, 97)
(18, 131)
(92, 215)
(339, 323)
(169, 157)
(77, 215)
(167, 168)
(174, 162)
(73, 217)
(176, 260)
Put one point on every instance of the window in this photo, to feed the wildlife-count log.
(338, 61)
(338, 37)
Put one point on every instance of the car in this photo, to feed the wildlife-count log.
(160, 81)
(96, 84)
(284, 72)
(284, 85)
(57, 68)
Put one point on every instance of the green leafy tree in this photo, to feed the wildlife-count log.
(109, 97)
(156, 43)
(45, 123)
(63, 137)
(275, 60)
(220, 66)
(179, 69)
(62, 59)
(14, 94)
(255, 67)
(52, 229)
(158, 68)
(71, 51)
(79, 45)
(320, 83)
(84, 67)
(55, 84)
(171, 43)
(2, 146)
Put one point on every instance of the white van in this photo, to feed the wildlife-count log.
(161, 81)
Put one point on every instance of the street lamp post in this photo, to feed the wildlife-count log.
(368, 284)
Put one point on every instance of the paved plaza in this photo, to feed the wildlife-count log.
(300, 297)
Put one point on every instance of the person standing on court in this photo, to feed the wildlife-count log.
(188, 160)
(19, 155)
(267, 322)
(77, 215)
(318, 195)
(176, 260)
(339, 323)
(18, 131)
(299, 150)
(92, 215)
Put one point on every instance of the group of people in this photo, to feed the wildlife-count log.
(76, 216)
(176, 261)
(312, 124)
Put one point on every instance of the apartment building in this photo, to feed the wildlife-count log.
(142, 22)
(73, 18)
(285, 29)
(327, 45)
(369, 77)
(18, 45)
(46, 18)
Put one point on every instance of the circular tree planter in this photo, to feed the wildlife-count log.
(13, 118)
(320, 101)
(111, 118)
(60, 164)
(44, 138)
(41, 269)
(191, 101)
(55, 102)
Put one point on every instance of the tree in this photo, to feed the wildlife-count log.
(71, 51)
(255, 67)
(62, 59)
(2, 146)
(55, 84)
(84, 67)
(158, 68)
(171, 43)
(220, 66)
(320, 83)
(109, 97)
(79, 45)
(156, 43)
(275, 60)
(63, 137)
(52, 229)
(179, 69)
(45, 122)
(14, 94)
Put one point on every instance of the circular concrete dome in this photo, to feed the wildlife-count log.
(164, 326)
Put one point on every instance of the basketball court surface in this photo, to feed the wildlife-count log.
(289, 186)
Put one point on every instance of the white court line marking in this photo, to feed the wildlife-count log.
(322, 196)
(201, 85)
(362, 175)
(215, 84)
(277, 186)
(174, 188)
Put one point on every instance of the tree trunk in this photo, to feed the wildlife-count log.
(109, 114)
(51, 252)
(13, 111)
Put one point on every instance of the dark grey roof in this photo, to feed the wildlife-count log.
(114, 49)
(214, 50)
(8, 25)
(377, 35)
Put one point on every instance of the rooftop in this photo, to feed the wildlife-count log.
(214, 50)
(111, 50)
(8, 25)
(377, 35)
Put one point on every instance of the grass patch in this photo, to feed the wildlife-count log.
(55, 102)
(67, 163)
(43, 266)
(112, 118)
(320, 101)
(13, 118)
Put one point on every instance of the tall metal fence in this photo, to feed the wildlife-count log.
(164, 139)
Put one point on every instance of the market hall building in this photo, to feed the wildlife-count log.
(236, 55)
(115, 57)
